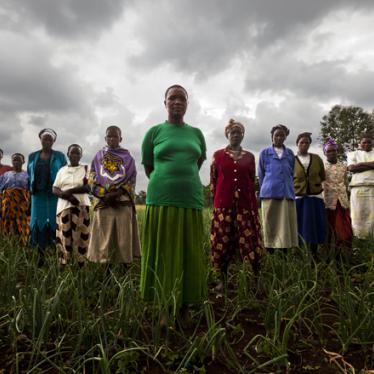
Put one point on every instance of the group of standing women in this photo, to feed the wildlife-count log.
(303, 201)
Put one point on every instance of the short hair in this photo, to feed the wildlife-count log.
(18, 154)
(304, 135)
(279, 127)
(176, 86)
(75, 145)
(1, 151)
(114, 127)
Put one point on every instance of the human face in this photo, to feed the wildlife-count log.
(366, 144)
(47, 142)
(303, 145)
(279, 137)
(235, 136)
(17, 162)
(113, 138)
(176, 103)
(331, 154)
(74, 155)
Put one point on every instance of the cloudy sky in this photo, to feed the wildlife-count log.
(80, 65)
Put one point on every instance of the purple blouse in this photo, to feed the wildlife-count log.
(12, 179)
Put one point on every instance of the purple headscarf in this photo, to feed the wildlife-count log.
(112, 168)
(330, 141)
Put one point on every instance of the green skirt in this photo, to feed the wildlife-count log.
(174, 264)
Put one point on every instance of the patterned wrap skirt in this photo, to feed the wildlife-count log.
(15, 208)
(279, 223)
(235, 229)
(339, 227)
(174, 262)
(311, 220)
(73, 232)
(362, 211)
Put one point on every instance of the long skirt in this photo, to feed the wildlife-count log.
(279, 223)
(362, 211)
(15, 207)
(233, 229)
(114, 235)
(339, 224)
(43, 219)
(173, 259)
(73, 232)
(311, 220)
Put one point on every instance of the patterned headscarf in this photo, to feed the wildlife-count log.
(232, 124)
(50, 132)
(330, 141)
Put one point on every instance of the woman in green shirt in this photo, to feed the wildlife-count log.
(173, 265)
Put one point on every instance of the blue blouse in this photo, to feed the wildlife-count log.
(12, 179)
(56, 162)
(276, 174)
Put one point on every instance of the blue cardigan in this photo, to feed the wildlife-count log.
(57, 161)
(276, 174)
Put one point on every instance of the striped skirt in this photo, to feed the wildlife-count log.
(362, 211)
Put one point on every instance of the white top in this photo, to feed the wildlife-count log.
(279, 151)
(71, 177)
(305, 160)
(365, 178)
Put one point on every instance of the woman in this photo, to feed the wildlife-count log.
(235, 222)
(73, 207)
(3, 168)
(114, 235)
(308, 177)
(42, 168)
(336, 199)
(15, 205)
(275, 172)
(361, 165)
(173, 255)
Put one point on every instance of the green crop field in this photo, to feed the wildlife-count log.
(297, 316)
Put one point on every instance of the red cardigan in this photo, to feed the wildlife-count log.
(232, 181)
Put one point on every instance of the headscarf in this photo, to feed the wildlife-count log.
(330, 141)
(48, 131)
(111, 169)
(232, 124)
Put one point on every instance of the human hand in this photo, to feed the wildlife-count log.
(74, 200)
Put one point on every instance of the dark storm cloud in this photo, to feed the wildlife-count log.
(319, 81)
(65, 18)
(29, 81)
(203, 38)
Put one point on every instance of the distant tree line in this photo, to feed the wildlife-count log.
(345, 124)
